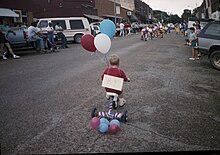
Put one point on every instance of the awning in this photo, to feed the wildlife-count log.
(7, 13)
(94, 17)
(112, 16)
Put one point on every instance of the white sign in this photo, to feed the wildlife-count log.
(112, 82)
(118, 10)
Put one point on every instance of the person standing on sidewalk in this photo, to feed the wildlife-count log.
(193, 41)
(122, 32)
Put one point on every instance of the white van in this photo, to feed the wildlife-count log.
(74, 27)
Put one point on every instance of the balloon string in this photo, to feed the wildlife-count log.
(106, 59)
(101, 58)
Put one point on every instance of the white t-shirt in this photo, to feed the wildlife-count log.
(122, 26)
(58, 28)
(50, 29)
(32, 31)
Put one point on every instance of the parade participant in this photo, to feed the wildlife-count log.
(177, 30)
(116, 72)
(193, 41)
(144, 32)
(150, 32)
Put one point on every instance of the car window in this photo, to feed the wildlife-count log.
(76, 24)
(43, 23)
(213, 29)
(61, 22)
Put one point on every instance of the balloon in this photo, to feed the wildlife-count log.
(95, 122)
(102, 43)
(115, 121)
(103, 127)
(114, 128)
(87, 42)
(104, 120)
(108, 27)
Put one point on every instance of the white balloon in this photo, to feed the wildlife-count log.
(102, 43)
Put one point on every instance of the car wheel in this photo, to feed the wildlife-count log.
(77, 38)
(215, 59)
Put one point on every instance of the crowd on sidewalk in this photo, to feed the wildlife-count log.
(43, 41)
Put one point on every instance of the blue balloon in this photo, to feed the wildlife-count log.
(115, 121)
(108, 27)
(104, 120)
(103, 127)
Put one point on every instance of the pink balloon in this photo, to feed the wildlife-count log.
(95, 121)
(87, 42)
(114, 128)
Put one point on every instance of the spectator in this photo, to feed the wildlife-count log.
(129, 28)
(35, 35)
(193, 41)
(122, 33)
(59, 30)
(50, 35)
(5, 42)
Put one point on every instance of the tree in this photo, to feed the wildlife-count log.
(186, 14)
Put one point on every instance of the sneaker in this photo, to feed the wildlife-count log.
(4, 57)
(192, 59)
(122, 102)
(43, 50)
(16, 56)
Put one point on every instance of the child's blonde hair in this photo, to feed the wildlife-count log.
(114, 59)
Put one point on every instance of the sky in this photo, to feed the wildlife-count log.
(173, 6)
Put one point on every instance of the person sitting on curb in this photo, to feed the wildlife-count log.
(35, 35)
(60, 34)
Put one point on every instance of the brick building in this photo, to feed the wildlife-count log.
(63, 8)
(208, 9)
(22, 7)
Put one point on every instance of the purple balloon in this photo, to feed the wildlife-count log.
(95, 121)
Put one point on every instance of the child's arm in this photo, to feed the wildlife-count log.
(126, 79)
(105, 72)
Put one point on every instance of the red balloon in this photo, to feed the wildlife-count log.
(114, 128)
(87, 42)
(94, 122)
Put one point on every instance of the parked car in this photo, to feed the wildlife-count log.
(209, 42)
(74, 27)
(95, 28)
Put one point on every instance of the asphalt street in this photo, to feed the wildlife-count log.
(172, 102)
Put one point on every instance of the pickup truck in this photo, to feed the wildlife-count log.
(209, 42)
(20, 39)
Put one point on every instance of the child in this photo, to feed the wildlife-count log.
(115, 71)
(193, 41)
(177, 30)
(143, 33)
